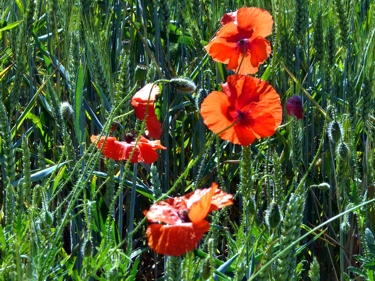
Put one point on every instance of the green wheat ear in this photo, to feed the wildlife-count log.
(24, 191)
(301, 19)
(314, 272)
(173, 270)
(9, 165)
(290, 231)
(343, 22)
(318, 38)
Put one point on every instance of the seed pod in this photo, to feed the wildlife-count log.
(140, 72)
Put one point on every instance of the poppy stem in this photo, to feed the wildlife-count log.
(243, 57)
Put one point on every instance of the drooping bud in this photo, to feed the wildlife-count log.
(273, 217)
(183, 84)
(201, 95)
(343, 150)
(87, 248)
(334, 131)
(66, 110)
(206, 268)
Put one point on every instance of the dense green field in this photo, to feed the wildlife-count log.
(168, 140)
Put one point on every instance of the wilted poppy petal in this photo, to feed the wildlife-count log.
(153, 127)
(114, 149)
(142, 96)
(175, 240)
(149, 154)
(220, 200)
(198, 210)
(258, 20)
(143, 101)
(167, 211)
(121, 150)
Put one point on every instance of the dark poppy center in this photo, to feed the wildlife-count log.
(184, 215)
(242, 45)
(129, 137)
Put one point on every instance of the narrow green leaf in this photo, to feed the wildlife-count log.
(10, 26)
(78, 105)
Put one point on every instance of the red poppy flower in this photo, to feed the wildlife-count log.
(294, 107)
(241, 41)
(145, 150)
(177, 224)
(140, 102)
(247, 109)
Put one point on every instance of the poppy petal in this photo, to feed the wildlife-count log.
(221, 52)
(260, 49)
(214, 113)
(198, 210)
(175, 240)
(258, 20)
(228, 17)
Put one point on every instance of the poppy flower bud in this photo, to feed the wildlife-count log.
(334, 131)
(87, 248)
(183, 84)
(259, 218)
(140, 72)
(294, 107)
(66, 110)
(114, 126)
(206, 270)
(324, 186)
(251, 205)
(202, 94)
(343, 150)
(48, 218)
(273, 217)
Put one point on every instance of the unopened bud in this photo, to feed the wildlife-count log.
(66, 110)
(343, 150)
(87, 248)
(206, 269)
(334, 131)
(201, 95)
(183, 84)
(273, 216)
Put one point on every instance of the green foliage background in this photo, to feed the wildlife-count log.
(304, 198)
